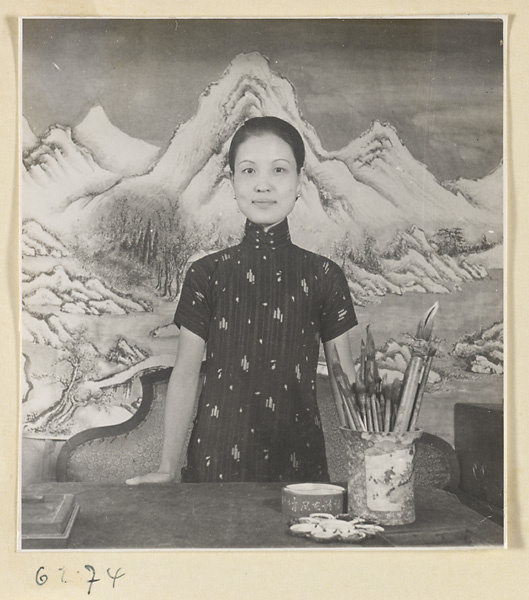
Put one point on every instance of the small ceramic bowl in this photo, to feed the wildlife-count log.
(303, 499)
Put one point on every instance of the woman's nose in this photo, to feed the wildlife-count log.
(262, 186)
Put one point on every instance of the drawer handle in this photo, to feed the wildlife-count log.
(478, 470)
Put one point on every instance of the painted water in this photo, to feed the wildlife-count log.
(478, 304)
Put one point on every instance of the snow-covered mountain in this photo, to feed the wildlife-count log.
(485, 193)
(126, 354)
(482, 351)
(380, 160)
(58, 170)
(372, 185)
(113, 149)
(36, 241)
(418, 268)
(29, 139)
(48, 330)
(192, 170)
(76, 294)
(65, 165)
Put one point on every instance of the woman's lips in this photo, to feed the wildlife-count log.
(265, 202)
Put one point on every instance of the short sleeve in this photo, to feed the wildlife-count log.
(194, 307)
(337, 312)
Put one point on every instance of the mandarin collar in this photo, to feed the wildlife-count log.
(276, 237)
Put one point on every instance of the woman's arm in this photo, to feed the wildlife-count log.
(179, 407)
(343, 348)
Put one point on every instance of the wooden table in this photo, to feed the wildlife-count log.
(242, 515)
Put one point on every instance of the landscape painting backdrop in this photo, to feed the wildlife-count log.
(403, 187)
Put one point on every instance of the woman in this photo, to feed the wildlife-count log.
(259, 309)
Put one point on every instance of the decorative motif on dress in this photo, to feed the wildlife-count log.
(236, 453)
(270, 404)
(294, 460)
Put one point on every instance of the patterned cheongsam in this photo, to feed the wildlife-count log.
(262, 306)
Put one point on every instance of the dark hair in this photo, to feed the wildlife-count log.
(263, 125)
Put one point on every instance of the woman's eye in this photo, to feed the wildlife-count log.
(279, 169)
(248, 170)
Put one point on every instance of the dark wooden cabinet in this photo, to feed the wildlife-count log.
(479, 448)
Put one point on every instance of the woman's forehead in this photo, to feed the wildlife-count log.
(266, 145)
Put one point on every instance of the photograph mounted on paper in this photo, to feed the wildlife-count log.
(262, 283)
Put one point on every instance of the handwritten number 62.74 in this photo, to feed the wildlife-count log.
(41, 577)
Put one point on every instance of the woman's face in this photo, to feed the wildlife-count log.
(265, 179)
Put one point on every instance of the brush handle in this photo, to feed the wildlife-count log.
(387, 413)
(408, 393)
(380, 412)
(420, 391)
(369, 413)
(349, 416)
(348, 399)
(374, 412)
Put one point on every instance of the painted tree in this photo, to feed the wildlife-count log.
(159, 238)
(176, 242)
(76, 365)
(346, 251)
(450, 240)
(365, 255)
(341, 250)
(397, 248)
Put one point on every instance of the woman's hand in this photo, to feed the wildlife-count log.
(157, 477)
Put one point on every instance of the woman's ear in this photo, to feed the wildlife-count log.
(301, 177)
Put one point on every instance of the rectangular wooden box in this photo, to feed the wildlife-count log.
(47, 520)
(479, 447)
